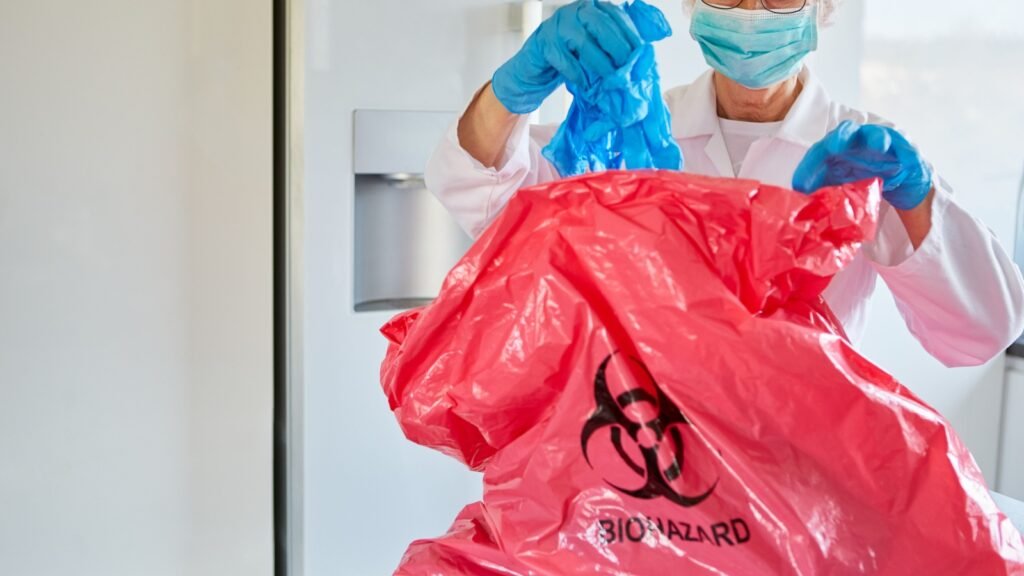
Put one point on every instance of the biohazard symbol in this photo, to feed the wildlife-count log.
(646, 432)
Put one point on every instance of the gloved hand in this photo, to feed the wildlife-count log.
(619, 120)
(853, 152)
(579, 43)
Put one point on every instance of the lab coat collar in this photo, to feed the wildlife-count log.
(806, 123)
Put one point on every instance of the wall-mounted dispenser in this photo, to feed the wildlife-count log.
(405, 241)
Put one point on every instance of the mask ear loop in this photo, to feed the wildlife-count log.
(825, 16)
(820, 14)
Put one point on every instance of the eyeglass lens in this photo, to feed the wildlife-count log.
(777, 6)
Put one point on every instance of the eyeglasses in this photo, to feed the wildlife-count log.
(776, 6)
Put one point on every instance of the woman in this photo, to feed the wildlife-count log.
(759, 113)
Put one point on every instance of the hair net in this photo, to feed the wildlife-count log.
(826, 9)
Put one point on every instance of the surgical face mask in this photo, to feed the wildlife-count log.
(756, 48)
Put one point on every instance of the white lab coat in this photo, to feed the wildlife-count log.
(959, 293)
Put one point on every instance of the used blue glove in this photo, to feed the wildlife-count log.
(853, 152)
(580, 43)
(619, 119)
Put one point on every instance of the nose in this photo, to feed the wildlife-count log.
(749, 4)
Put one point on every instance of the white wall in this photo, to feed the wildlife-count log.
(1011, 466)
(135, 288)
(367, 491)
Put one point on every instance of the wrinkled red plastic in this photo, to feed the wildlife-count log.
(643, 367)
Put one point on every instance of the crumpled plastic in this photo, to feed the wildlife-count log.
(644, 368)
(620, 120)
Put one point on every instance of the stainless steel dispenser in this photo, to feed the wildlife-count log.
(405, 241)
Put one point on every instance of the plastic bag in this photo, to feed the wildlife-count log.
(643, 366)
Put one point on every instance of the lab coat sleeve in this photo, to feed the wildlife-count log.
(960, 293)
(475, 194)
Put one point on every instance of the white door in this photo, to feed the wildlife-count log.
(135, 288)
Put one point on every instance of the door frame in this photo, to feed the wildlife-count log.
(288, 279)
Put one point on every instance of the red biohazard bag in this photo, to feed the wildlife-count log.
(643, 366)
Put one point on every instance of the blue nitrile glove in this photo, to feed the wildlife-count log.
(620, 119)
(585, 40)
(853, 152)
